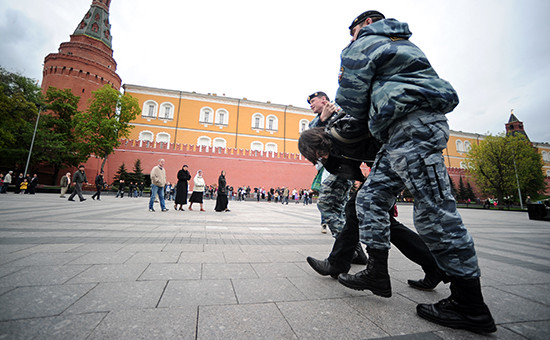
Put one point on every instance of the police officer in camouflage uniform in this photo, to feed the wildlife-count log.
(387, 80)
(334, 191)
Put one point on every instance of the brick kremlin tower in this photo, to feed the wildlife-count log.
(514, 126)
(85, 63)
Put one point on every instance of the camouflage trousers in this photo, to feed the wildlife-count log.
(333, 196)
(412, 158)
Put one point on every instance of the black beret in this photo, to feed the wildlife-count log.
(363, 16)
(316, 94)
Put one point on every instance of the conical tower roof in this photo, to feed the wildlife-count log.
(513, 118)
(95, 23)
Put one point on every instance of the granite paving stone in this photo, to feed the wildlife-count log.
(328, 319)
(255, 321)
(198, 292)
(113, 270)
(151, 323)
(110, 273)
(110, 296)
(171, 271)
(40, 301)
(70, 327)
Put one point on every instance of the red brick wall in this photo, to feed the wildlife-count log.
(242, 167)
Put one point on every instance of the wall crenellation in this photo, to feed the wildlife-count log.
(131, 144)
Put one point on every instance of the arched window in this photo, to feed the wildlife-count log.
(257, 146)
(203, 141)
(146, 136)
(459, 146)
(304, 123)
(149, 109)
(462, 165)
(219, 143)
(467, 146)
(206, 116)
(272, 123)
(547, 173)
(271, 147)
(258, 121)
(222, 117)
(163, 137)
(166, 111)
(545, 156)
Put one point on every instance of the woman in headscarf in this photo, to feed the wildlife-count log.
(182, 187)
(198, 190)
(221, 200)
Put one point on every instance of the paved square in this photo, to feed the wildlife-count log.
(111, 269)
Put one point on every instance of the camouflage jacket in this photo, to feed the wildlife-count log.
(383, 77)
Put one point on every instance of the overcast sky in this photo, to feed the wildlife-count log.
(494, 52)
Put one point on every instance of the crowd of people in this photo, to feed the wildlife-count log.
(23, 184)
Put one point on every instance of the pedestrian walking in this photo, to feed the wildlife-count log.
(64, 184)
(99, 183)
(198, 190)
(78, 179)
(158, 181)
(221, 200)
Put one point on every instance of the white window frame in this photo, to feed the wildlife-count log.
(162, 134)
(275, 126)
(257, 146)
(224, 114)
(219, 143)
(261, 121)
(206, 120)
(146, 109)
(204, 138)
(459, 145)
(303, 125)
(271, 147)
(149, 133)
(162, 111)
(467, 146)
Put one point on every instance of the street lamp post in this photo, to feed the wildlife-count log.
(517, 181)
(32, 142)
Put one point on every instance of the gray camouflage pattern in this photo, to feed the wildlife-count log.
(384, 76)
(333, 196)
(387, 80)
(412, 158)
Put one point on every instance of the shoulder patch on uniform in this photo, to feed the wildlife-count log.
(340, 74)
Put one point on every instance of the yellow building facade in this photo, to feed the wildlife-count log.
(211, 120)
(180, 117)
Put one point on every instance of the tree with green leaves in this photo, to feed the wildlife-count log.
(461, 190)
(56, 143)
(121, 173)
(137, 175)
(470, 192)
(453, 188)
(20, 99)
(497, 160)
(106, 121)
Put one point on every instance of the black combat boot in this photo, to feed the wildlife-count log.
(324, 267)
(464, 309)
(359, 257)
(429, 282)
(375, 278)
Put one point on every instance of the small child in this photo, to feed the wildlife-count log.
(23, 186)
